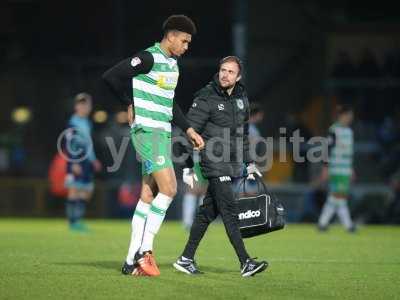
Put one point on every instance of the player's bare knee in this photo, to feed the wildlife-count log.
(174, 192)
(146, 195)
(169, 190)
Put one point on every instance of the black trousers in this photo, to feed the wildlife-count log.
(219, 200)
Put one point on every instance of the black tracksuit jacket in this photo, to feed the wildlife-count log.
(222, 121)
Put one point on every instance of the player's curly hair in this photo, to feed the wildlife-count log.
(179, 23)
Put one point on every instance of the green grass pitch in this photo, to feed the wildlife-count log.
(41, 259)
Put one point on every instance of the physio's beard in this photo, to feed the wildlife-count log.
(225, 88)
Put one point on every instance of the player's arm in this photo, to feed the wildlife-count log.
(182, 149)
(90, 145)
(71, 149)
(180, 120)
(199, 114)
(119, 77)
(92, 155)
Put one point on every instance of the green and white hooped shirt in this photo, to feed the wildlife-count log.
(341, 150)
(153, 92)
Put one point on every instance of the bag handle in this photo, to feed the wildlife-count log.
(259, 182)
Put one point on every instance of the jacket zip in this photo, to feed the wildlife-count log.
(234, 114)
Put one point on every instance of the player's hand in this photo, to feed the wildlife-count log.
(251, 170)
(195, 138)
(131, 114)
(76, 169)
(97, 165)
(189, 177)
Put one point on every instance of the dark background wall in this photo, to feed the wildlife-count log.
(50, 50)
(301, 58)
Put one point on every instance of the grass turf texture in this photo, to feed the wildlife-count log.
(42, 259)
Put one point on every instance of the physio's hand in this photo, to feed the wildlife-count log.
(131, 114)
(189, 177)
(251, 170)
(195, 138)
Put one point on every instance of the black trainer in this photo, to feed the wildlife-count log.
(252, 267)
(127, 269)
(187, 266)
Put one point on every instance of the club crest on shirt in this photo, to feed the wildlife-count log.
(135, 61)
(239, 103)
(160, 160)
(221, 106)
